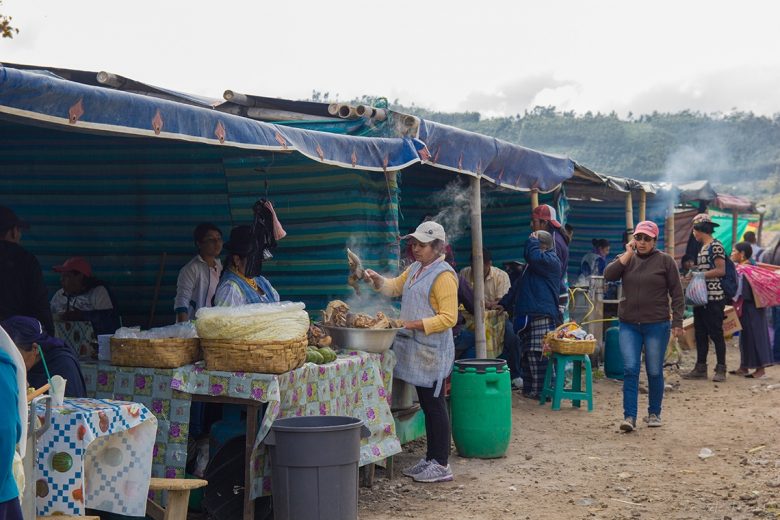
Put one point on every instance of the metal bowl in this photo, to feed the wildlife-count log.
(367, 340)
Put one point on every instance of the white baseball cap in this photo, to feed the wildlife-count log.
(428, 232)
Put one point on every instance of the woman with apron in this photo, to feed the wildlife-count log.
(424, 347)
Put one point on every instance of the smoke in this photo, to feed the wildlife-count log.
(368, 301)
(454, 209)
(706, 156)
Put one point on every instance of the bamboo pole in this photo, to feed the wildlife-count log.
(477, 269)
(734, 223)
(642, 206)
(534, 199)
(157, 289)
(760, 227)
(629, 212)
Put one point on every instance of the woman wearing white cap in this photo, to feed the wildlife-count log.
(424, 347)
(650, 282)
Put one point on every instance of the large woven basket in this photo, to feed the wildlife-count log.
(155, 353)
(569, 346)
(262, 357)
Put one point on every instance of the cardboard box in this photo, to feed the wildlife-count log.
(731, 325)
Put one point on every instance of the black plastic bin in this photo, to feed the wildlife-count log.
(314, 464)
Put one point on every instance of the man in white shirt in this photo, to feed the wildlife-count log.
(496, 280)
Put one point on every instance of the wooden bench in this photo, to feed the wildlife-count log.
(178, 497)
(64, 517)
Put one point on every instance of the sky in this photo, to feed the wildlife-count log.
(497, 58)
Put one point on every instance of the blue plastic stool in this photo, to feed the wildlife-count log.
(557, 392)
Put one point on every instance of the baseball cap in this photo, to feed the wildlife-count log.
(647, 227)
(704, 218)
(8, 219)
(428, 232)
(76, 263)
(546, 212)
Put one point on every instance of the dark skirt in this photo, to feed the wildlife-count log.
(754, 347)
(11, 510)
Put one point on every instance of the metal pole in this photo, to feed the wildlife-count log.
(477, 269)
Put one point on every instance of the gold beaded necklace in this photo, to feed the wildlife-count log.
(249, 281)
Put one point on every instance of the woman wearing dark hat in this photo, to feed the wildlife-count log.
(235, 288)
(27, 333)
(708, 319)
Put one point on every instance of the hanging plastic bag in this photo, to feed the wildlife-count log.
(696, 292)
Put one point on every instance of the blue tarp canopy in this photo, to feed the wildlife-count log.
(50, 100)
(80, 105)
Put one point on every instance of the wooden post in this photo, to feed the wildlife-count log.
(477, 269)
(534, 199)
(629, 212)
(670, 228)
(760, 227)
(642, 206)
(734, 223)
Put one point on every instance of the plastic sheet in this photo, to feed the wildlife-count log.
(179, 330)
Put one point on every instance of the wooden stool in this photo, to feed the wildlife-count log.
(178, 497)
(575, 393)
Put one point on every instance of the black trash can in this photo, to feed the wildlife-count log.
(314, 464)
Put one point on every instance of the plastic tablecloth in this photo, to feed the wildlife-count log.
(96, 453)
(357, 384)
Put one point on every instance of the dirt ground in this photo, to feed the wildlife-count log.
(572, 464)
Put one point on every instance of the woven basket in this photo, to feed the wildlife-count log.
(262, 357)
(569, 346)
(155, 353)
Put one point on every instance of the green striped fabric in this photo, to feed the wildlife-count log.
(123, 202)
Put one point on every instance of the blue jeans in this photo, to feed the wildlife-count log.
(654, 337)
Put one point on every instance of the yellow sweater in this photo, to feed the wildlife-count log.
(444, 299)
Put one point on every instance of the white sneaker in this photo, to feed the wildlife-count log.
(517, 383)
(434, 472)
(411, 471)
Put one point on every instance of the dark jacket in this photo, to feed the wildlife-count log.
(22, 292)
(562, 250)
(63, 361)
(648, 283)
(535, 293)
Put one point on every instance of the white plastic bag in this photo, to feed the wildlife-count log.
(696, 292)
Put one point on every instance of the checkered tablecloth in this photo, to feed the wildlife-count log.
(79, 335)
(96, 453)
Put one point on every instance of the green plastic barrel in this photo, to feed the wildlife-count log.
(481, 404)
(613, 358)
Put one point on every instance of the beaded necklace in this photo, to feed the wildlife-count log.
(249, 281)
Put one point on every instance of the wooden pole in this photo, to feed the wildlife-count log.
(760, 227)
(734, 223)
(642, 206)
(477, 269)
(670, 241)
(629, 212)
(534, 199)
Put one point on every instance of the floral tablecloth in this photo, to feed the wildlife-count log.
(357, 384)
(96, 453)
(152, 388)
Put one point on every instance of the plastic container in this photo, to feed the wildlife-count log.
(481, 404)
(314, 465)
(613, 359)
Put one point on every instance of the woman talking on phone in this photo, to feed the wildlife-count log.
(650, 280)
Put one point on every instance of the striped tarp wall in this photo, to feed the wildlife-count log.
(606, 219)
(324, 210)
(124, 202)
(506, 215)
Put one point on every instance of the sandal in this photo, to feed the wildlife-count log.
(739, 372)
(753, 376)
